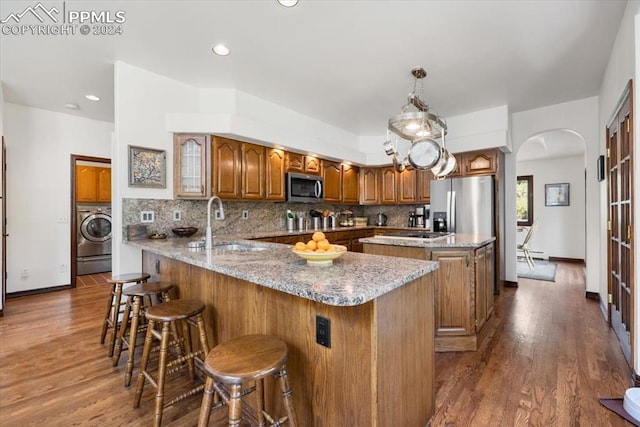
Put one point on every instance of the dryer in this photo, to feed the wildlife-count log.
(94, 239)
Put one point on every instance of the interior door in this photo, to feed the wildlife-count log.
(620, 214)
(3, 197)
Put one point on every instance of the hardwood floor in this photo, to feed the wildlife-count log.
(551, 357)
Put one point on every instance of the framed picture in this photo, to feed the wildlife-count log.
(147, 167)
(556, 194)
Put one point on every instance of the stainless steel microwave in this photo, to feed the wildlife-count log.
(304, 188)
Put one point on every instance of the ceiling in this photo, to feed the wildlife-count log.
(551, 144)
(346, 63)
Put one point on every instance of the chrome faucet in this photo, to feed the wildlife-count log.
(209, 237)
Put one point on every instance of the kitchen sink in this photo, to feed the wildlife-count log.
(238, 247)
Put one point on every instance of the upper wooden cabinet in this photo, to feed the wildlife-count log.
(227, 168)
(274, 172)
(423, 186)
(350, 184)
(479, 163)
(407, 186)
(388, 186)
(341, 183)
(369, 186)
(93, 184)
(332, 173)
(303, 164)
(191, 166)
(253, 171)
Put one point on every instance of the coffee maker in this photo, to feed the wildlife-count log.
(422, 216)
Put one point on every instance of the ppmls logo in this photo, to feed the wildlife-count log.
(41, 20)
(38, 11)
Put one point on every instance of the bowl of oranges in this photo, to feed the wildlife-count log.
(318, 251)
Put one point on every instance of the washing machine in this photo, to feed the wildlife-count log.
(94, 239)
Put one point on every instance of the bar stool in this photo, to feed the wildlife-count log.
(166, 314)
(134, 309)
(115, 303)
(241, 360)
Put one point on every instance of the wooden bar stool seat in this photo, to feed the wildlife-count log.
(189, 314)
(242, 360)
(114, 305)
(139, 298)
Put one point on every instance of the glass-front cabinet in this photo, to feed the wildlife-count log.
(191, 166)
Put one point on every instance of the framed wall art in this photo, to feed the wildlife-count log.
(556, 194)
(147, 167)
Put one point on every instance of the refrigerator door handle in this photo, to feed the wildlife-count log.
(451, 211)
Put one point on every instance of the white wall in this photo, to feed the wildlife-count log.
(580, 116)
(624, 65)
(142, 102)
(561, 229)
(2, 291)
(39, 147)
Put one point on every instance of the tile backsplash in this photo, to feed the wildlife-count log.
(262, 216)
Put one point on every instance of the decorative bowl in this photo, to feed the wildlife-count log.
(321, 258)
(184, 231)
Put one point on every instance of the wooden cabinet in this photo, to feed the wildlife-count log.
(341, 183)
(227, 168)
(350, 184)
(423, 186)
(303, 164)
(454, 315)
(407, 186)
(479, 163)
(253, 171)
(332, 174)
(345, 237)
(369, 186)
(93, 184)
(465, 281)
(191, 166)
(274, 173)
(388, 186)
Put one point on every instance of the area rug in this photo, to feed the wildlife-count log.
(542, 270)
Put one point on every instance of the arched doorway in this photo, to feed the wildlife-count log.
(551, 160)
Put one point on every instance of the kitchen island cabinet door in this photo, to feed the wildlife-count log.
(481, 287)
(253, 171)
(332, 174)
(454, 293)
(191, 166)
(227, 168)
(275, 174)
(388, 185)
(369, 186)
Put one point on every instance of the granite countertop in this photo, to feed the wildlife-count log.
(453, 241)
(278, 233)
(353, 278)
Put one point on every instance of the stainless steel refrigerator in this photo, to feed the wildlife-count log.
(467, 204)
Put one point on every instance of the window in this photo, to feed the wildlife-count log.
(524, 200)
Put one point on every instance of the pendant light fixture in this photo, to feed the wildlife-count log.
(422, 129)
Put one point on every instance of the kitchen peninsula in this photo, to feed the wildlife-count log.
(464, 283)
(378, 367)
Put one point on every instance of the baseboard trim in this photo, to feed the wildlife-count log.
(510, 284)
(37, 291)
(571, 260)
(592, 295)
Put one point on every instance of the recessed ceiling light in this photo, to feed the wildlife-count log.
(221, 50)
(287, 3)
(92, 97)
(72, 106)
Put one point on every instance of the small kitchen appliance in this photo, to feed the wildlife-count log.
(381, 219)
